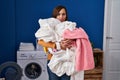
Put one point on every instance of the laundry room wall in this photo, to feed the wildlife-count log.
(19, 21)
(7, 30)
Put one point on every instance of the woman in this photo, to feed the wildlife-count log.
(60, 13)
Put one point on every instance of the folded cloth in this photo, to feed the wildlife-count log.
(84, 54)
(51, 29)
(73, 60)
(46, 30)
(62, 62)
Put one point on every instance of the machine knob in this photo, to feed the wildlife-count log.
(109, 37)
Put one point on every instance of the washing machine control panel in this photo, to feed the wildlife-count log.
(31, 54)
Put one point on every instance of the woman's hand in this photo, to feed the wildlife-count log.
(66, 43)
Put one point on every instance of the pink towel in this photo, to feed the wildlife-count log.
(84, 54)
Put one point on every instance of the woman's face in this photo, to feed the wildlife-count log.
(62, 15)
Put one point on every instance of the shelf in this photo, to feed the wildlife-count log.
(98, 57)
(96, 73)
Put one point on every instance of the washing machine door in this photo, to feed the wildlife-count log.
(11, 71)
(33, 70)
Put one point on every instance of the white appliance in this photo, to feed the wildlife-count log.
(33, 64)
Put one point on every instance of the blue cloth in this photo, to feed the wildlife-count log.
(53, 76)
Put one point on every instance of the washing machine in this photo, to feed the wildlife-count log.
(33, 64)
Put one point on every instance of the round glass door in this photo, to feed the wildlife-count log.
(33, 70)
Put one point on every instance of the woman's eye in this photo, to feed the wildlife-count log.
(63, 14)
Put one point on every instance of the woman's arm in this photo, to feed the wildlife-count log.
(47, 44)
(62, 45)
